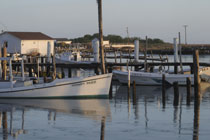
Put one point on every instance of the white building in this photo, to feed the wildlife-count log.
(27, 42)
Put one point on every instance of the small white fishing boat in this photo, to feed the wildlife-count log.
(89, 87)
(70, 58)
(78, 87)
(146, 78)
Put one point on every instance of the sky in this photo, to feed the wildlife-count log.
(161, 19)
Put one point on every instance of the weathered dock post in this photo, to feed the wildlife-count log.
(136, 51)
(180, 53)
(54, 65)
(120, 59)
(127, 65)
(110, 91)
(129, 82)
(145, 55)
(62, 72)
(188, 90)
(30, 68)
(22, 69)
(196, 74)
(69, 73)
(176, 93)
(4, 74)
(134, 92)
(175, 55)
(129, 51)
(48, 58)
(115, 56)
(163, 90)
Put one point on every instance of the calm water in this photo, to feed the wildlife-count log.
(118, 118)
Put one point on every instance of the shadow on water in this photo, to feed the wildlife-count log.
(93, 109)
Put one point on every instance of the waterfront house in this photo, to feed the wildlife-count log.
(27, 42)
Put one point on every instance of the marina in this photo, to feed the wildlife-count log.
(104, 70)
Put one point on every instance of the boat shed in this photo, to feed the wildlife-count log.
(27, 42)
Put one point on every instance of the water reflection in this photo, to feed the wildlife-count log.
(149, 98)
(94, 109)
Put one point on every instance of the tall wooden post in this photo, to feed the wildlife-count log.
(188, 91)
(145, 55)
(120, 59)
(134, 93)
(180, 53)
(101, 36)
(196, 74)
(54, 65)
(163, 90)
(4, 74)
(176, 93)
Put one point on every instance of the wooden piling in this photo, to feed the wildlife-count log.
(110, 91)
(54, 67)
(196, 74)
(175, 69)
(188, 90)
(129, 83)
(129, 51)
(120, 59)
(176, 93)
(145, 55)
(4, 73)
(69, 73)
(134, 92)
(115, 56)
(127, 65)
(163, 89)
(62, 73)
(96, 69)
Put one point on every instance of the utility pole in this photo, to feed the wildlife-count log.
(100, 24)
(185, 31)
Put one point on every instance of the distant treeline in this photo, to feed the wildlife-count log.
(115, 39)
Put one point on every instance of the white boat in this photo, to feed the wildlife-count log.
(89, 87)
(70, 58)
(146, 78)
(78, 87)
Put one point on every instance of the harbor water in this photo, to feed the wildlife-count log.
(121, 117)
(118, 118)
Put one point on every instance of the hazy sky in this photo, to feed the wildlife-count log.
(74, 18)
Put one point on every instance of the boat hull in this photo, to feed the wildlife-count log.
(90, 87)
(143, 78)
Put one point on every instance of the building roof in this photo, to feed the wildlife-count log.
(30, 35)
